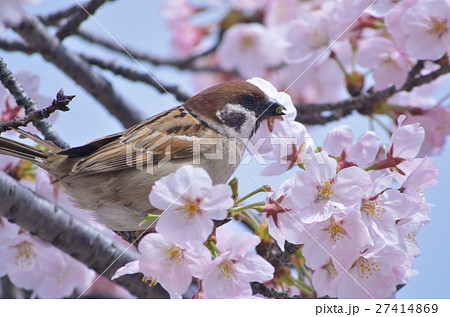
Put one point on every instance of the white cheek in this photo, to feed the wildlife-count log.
(247, 126)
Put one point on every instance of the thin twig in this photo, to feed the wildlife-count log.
(22, 99)
(71, 235)
(55, 17)
(60, 103)
(327, 112)
(134, 75)
(35, 33)
(186, 64)
(15, 46)
(74, 21)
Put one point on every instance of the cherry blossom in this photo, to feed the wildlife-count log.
(244, 48)
(380, 208)
(393, 22)
(11, 12)
(420, 179)
(320, 192)
(427, 26)
(189, 202)
(323, 278)
(408, 228)
(372, 275)
(229, 275)
(309, 36)
(283, 219)
(339, 143)
(436, 123)
(340, 238)
(248, 5)
(167, 263)
(34, 265)
(177, 12)
(389, 64)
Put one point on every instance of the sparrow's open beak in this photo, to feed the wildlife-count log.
(273, 109)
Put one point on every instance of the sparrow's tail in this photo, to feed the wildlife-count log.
(22, 151)
(27, 152)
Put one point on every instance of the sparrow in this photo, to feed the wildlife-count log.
(114, 175)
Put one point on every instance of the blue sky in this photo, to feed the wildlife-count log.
(138, 23)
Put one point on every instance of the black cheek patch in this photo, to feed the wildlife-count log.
(233, 119)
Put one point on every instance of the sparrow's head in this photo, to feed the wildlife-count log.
(234, 108)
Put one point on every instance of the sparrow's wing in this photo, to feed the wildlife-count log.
(167, 136)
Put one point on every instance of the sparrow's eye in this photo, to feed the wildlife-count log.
(248, 100)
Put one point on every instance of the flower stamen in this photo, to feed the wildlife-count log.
(325, 190)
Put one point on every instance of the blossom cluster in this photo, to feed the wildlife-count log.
(355, 206)
(298, 44)
(176, 253)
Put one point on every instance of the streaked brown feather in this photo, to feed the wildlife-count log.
(148, 143)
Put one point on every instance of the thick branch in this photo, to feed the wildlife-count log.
(60, 103)
(22, 99)
(34, 32)
(74, 22)
(134, 75)
(71, 235)
(270, 292)
(317, 113)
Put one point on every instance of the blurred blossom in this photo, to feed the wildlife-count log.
(427, 26)
(8, 106)
(390, 65)
(393, 22)
(309, 36)
(250, 49)
(34, 265)
(176, 12)
(11, 12)
(248, 5)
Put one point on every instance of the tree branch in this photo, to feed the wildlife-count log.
(74, 21)
(15, 46)
(55, 17)
(186, 64)
(134, 75)
(60, 103)
(71, 235)
(270, 292)
(317, 113)
(34, 32)
(22, 99)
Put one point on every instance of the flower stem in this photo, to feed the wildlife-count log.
(305, 272)
(304, 288)
(250, 219)
(341, 66)
(251, 206)
(212, 247)
(264, 188)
